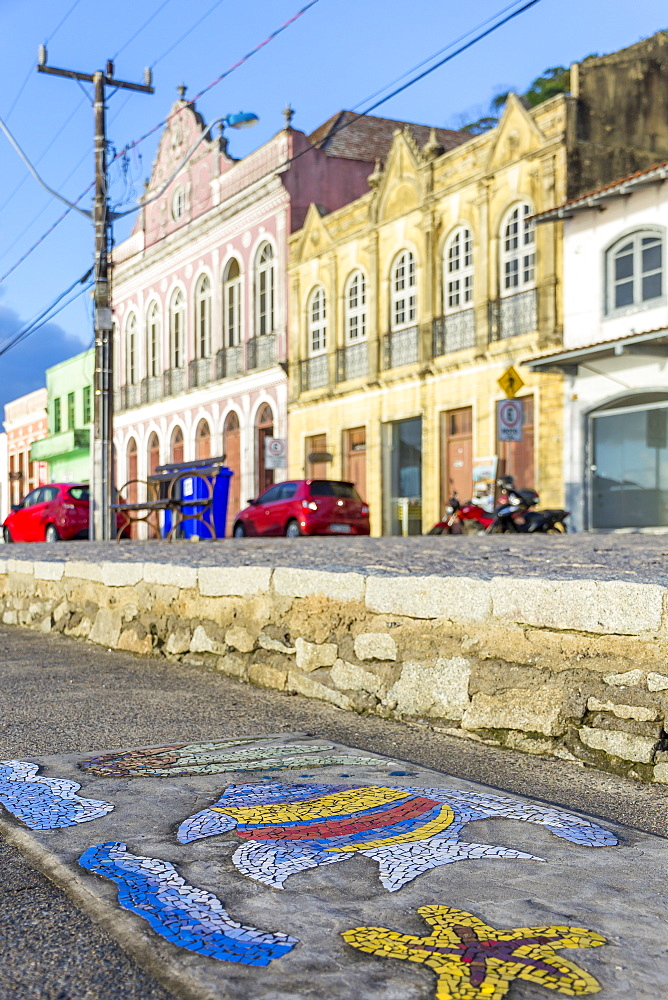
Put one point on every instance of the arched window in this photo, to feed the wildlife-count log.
(317, 322)
(153, 340)
(203, 317)
(458, 271)
(403, 291)
(176, 445)
(518, 251)
(356, 307)
(177, 315)
(153, 453)
(265, 429)
(131, 351)
(264, 290)
(203, 440)
(232, 304)
(634, 271)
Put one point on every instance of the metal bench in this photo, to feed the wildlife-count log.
(182, 508)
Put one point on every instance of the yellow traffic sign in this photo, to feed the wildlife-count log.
(511, 383)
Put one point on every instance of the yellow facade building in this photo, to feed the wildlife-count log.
(409, 304)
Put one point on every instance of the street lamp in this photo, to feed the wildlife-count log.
(244, 119)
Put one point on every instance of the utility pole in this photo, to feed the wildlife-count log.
(102, 525)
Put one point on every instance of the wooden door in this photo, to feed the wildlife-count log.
(232, 451)
(456, 454)
(355, 459)
(316, 446)
(265, 429)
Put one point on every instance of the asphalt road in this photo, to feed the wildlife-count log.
(59, 695)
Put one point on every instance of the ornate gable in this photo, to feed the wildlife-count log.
(315, 235)
(400, 188)
(184, 127)
(516, 135)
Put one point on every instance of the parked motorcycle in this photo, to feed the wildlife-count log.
(466, 518)
(515, 513)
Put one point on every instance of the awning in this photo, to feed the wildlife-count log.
(652, 344)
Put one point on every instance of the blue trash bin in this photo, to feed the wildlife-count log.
(197, 481)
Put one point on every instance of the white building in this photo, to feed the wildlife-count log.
(615, 353)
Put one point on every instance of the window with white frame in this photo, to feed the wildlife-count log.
(634, 271)
(403, 291)
(178, 204)
(317, 322)
(458, 271)
(264, 290)
(203, 316)
(153, 340)
(177, 315)
(356, 308)
(232, 304)
(131, 350)
(518, 251)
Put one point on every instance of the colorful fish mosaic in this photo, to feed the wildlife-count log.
(474, 961)
(45, 803)
(189, 917)
(219, 757)
(290, 828)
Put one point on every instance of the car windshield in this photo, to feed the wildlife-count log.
(328, 488)
(80, 492)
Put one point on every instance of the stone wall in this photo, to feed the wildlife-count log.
(574, 669)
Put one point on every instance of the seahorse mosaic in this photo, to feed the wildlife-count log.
(290, 828)
(473, 960)
(189, 917)
(45, 803)
(219, 757)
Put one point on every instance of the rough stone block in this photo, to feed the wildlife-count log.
(106, 628)
(542, 710)
(375, 646)
(178, 641)
(661, 773)
(121, 574)
(349, 677)
(233, 581)
(10, 618)
(80, 629)
(80, 570)
(202, 642)
(275, 645)
(239, 638)
(264, 675)
(131, 642)
(310, 582)
(630, 678)
(21, 566)
(454, 598)
(171, 575)
(439, 691)
(48, 570)
(233, 665)
(311, 688)
(657, 682)
(599, 606)
(311, 655)
(638, 712)
(637, 748)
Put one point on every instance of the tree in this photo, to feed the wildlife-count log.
(556, 80)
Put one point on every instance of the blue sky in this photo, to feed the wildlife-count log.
(335, 56)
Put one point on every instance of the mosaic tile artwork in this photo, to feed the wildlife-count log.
(189, 917)
(474, 961)
(219, 757)
(291, 827)
(45, 803)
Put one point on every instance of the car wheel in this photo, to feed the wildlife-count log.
(239, 531)
(51, 533)
(292, 529)
(7, 535)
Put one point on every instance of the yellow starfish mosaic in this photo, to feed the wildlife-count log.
(474, 961)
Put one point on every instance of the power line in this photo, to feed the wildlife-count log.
(139, 30)
(47, 314)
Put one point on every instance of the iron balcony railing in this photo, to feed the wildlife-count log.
(455, 332)
(202, 371)
(152, 388)
(261, 351)
(314, 372)
(128, 397)
(352, 361)
(513, 315)
(174, 381)
(230, 362)
(401, 347)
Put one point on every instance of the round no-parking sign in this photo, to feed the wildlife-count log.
(509, 413)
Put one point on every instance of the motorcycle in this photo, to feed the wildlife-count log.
(466, 518)
(515, 513)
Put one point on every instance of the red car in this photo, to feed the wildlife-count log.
(305, 507)
(49, 514)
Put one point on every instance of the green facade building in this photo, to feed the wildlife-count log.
(70, 408)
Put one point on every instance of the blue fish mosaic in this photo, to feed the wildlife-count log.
(45, 803)
(189, 917)
(288, 828)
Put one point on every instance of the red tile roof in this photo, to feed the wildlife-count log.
(365, 137)
(584, 200)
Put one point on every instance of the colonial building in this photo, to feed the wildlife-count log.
(66, 448)
(200, 291)
(25, 423)
(614, 358)
(411, 303)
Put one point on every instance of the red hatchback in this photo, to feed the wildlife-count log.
(49, 514)
(305, 507)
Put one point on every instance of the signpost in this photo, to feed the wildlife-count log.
(509, 414)
(275, 453)
(510, 382)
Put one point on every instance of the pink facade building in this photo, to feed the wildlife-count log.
(25, 422)
(200, 290)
